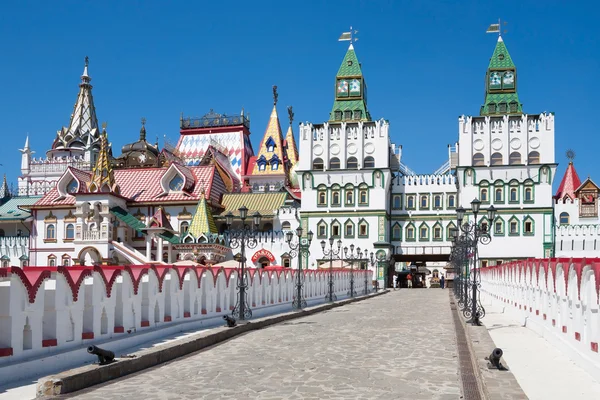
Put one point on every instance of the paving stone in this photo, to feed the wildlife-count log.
(399, 345)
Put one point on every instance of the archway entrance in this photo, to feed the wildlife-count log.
(89, 256)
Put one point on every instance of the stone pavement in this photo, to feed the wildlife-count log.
(397, 346)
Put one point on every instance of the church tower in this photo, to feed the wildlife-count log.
(506, 160)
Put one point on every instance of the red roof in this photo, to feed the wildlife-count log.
(143, 185)
(570, 182)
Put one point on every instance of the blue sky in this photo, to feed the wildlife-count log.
(424, 63)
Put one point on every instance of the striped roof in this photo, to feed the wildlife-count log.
(265, 203)
(10, 211)
(203, 222)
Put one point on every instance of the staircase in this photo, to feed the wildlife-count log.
(131, 254)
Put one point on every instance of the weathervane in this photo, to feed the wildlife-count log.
(143, 121)
(104, 125)
(291, 114)
(348, 36)
(87, 61)
(570, 155)
(275, 95)
(496, 28)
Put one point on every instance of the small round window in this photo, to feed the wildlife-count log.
(500, 57)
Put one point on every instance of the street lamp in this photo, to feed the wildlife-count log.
(245, 237)
(331, 253)
(375, 261)
(352, 257)
(301, 248)
(474, 233)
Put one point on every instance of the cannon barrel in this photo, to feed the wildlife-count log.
(104, 356)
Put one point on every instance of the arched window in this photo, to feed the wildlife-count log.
(437, 201)
(410, 202)
(369, 162)
(499, 195)
(533, 158)
(334, 163)
(335, 198)
(397, 202)
(352, 163)
(396, 232)
(184, 227)
(317, 164)
(349, 196)
(176, 183)
(410, 233)
(515, 158)
(514, 194)
(285, 226)
(478, 160)
(483, 195)
(363, 195)
(322, 198)
(50, 231)
(496, 159)
(451, 201)
(564, 218)
(70, 231)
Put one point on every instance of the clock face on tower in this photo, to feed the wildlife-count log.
(495, 80)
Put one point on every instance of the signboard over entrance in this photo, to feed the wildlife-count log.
(263, 253)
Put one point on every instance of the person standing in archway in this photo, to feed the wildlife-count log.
(409, 281)
(442, 281)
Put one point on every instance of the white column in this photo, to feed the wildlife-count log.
(169, 250)
(159, 248)
(149, 247)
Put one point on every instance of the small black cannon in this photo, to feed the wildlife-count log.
(231, 322)
(104, 356)
(494, 359)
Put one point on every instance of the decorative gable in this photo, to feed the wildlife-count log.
(587, 193)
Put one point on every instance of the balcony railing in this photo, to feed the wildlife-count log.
(213, 119)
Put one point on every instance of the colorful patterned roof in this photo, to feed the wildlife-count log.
(291, 148)
(265, 203)
(103, 179)
(501, 62)
(143, 186)
(160, 219)
(570, 182)
(351, 68)
(273, 138)
(203, 222)
(10, 211)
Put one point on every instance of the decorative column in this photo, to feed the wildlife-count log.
(149, 247)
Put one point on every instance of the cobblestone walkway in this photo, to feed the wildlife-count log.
(397, 346)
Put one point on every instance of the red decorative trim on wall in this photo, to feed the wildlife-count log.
(145, 323)
(167, 318)
(8, 351)
(203, 311)
(119, 329)
(578, 336)
(564, 329)
(594, 346)
(186, 314)
(87, 335)
(553, 322)
(49, 343)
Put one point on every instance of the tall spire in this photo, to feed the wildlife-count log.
(83, 119)
(501, 96)
(103, 179)
(290, 144)
(270, 156)
(570, 181)
(202, 221)
(4, 190)
(350, 102)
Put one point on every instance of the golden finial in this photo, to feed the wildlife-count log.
(291, 114)
(275, 95)
(143, 121)
(570, 155)
(104, 125)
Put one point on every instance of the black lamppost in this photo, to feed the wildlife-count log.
(475, 234)
(352, 257)
(376, 261)
(245, 237)
(302, 248)
(331, 253)
(458, 259)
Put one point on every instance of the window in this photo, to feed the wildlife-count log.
(338, 115)
(336, 230)
(348, 114)
(514, 227)
(335, 198)
(451, 226)
(397, 201)
(499, 228)
(410, 233)
(322, 230)
(478, 160)
(51, 261)
(451, 201)
(357, 114)
(321, 196)
(528, 194)
(352, 163)
(287, 262)
(72, 186)
(492, 108)
(502, 107)
(363, 196)
(350, 196)
(564, 218)
(5, 263)
(349, 229)
(423, 232)
(515, 158)
(396, 232)
(410, 202)
(528, 227)
(66, 261)
(274, 165)
(437, 232)
(514, 195)
(499, 195)
(184, 228)
(286, 226)
(363, 228)
(533, 158)
(437, 201)
(369, 162)
(497, 159)
(424, 201)
(513, 107)
(70, 232)
(483, 195)
(334, 163)
(50, 231)
(262, 166)
(317, 164)
(176, 184)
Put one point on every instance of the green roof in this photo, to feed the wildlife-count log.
(350, 66)
(138, 225)
(501, 59)
(265, 203)
(203, 222)
(10, 209)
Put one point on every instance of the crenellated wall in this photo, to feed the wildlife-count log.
(45, 310)
(556, 297)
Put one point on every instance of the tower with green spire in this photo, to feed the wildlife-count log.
(350, 102)
(501, 96)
